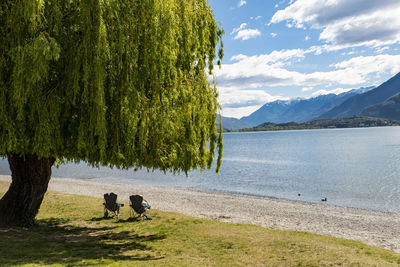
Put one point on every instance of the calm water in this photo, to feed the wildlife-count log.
(351, 167)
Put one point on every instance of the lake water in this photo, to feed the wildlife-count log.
(351, 167)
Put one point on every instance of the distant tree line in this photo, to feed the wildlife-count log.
(347, 122)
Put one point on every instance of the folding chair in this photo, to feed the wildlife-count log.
(139, 206)
(111, 205)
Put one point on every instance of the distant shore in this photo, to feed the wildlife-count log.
(337, 123)
(371, 227)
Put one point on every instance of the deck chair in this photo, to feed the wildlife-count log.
(111, 205)
(139, 206)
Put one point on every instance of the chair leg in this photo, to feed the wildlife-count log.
(117, 213)
(105, 213)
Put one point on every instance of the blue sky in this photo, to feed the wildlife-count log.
(282, 49)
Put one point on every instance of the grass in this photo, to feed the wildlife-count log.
(72, 232)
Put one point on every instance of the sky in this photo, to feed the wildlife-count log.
(284, 49)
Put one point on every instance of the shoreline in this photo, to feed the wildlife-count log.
(381, 229)
(270, 197)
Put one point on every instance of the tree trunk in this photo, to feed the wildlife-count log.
(30, 178)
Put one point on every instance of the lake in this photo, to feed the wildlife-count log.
(350, 167)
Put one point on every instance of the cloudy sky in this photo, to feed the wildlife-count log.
(281, 49)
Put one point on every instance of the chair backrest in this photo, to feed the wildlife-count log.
(111, 201)
(136, 203)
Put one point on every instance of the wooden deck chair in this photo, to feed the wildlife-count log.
(139, 206)
(111, 205)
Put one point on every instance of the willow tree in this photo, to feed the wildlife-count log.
(120, 83)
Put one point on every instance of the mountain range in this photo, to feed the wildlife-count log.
(380, 102)
(355, 105)
(298, 110)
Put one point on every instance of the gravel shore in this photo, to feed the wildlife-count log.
(373, 228)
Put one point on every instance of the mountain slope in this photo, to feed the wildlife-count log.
(231, 123)
(390, 109)
(271, 112)
(297, 110)
(356, 104)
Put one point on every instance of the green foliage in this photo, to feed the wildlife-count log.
(120, 82)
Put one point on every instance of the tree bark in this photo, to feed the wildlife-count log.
(30, 178)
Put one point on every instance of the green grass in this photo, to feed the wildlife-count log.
(72, 232)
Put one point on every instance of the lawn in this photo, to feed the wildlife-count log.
(72, 232)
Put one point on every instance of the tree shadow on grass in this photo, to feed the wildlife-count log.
(54, 241)
(98, 219)
(130, 219)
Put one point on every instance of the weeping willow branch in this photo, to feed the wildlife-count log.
(119, 82)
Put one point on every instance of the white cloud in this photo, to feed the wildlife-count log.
(306, 89)
(238, 57)
(382, 49)
(237, 102)
(242, 3)
(239, 112)
(365, 65)
(346, 22)
(247, 34)
(273, 34)
(241, 27)
(307, 38)
(352, 52)
(269, 70)
(275, 57)
(318, 50)
(234, 97)
(258, 17)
